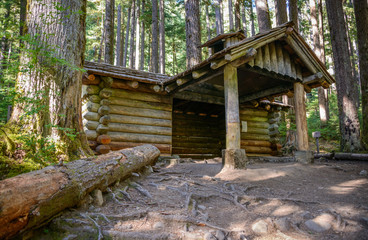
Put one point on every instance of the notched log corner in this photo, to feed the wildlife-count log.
(31, 199)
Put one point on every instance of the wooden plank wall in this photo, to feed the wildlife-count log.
(256, 140)
(197, 136)
(129, 119)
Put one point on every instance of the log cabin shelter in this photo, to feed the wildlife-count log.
(223, 106)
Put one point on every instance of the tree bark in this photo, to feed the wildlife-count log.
(253, 28)
(162, 36)
(361, 18)
(109, 32)
(127, 39)
(208, 28)
(122, 41)
(231, 21)
(193, 32)
(132, 36)
(55, 86)
(219, 24)
(137, 41)
(102, 40)
(348, 112)
(264, 22)
(118, 38)
(293, 13)
(280, 11)
(237, 15)
(31, 199)
(4, 41)
(154, 45)
(141, 62)
(244, 20)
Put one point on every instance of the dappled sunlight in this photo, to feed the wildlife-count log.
(285, 210)
(348, 187)
(251, 175)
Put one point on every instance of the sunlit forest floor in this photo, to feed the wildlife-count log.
(184, 199)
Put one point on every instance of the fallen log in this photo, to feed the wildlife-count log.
(31, 199)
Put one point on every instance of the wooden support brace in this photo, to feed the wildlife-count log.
(313, 78)
(181, 81)
(199, 73)
(300, 117)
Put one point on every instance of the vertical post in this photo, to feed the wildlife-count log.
(303, 154)
(233, 156)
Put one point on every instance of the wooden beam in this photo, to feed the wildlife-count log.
(196, 81)
(313, 78)
(271, 75)
(232, 108)
(199, 73)
(242, 60)
(198, 97)
(181, 81)
(300, 118)
(265, 93)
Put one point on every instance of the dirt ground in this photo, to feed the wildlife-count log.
(184, 199)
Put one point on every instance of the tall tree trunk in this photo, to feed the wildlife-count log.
(154, 58)
(22, 17)
(109, 32)
(219, 24)
(162, 36)
(137, 41)
(118, 38)
(264, 22)
(122, 37)
(4, 41)
(231, 20)
(361, 18)
(318, 50)
(237, 15)
(127, 38)
(141, 62)
(208, 28)
(253, 27)
(193, 32)
(281, 13)
(132, 36)
(293, 13)
(244, 20)
(348, 112)
(54, 86)
(102, 40)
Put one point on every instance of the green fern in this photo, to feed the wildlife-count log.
(9, 143)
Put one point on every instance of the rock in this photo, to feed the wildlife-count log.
(97, 197)
(260, 227)
(201, 207)
(282, 224)
(86, 201)
(364, 221)
(306, 215)
(220, 235)
(209, 236)
(363, 173)
(321, 223)
(158, 225)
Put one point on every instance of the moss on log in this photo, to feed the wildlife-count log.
(31, 199)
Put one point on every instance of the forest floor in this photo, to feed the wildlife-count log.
(184, 199)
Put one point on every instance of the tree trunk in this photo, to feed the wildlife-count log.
(31, 199)
(55, 86)
(122, 37)
(118, 38)
(103, 29)
(280, 11)
(137, 41)
(109, 32)
(252, 18)
(154, 58)
(348, 112)
(264, 22)
(219, 24)
(244, 20)
(4, 41)
(141, 62)
(361, 18)
(193, 32)
(293, 13)
(132, 36)
(208, 28)
(231, 21)
(162, 36)
(237, 15)
(127, 39)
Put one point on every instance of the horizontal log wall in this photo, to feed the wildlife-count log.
(198, 137)
(126, 118)
(256, 140)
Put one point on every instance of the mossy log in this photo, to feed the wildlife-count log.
(103, 149)
(92, 116)
(137, 103)
(133, 128)
(252, 124)
(139, 138)
(164, 148)
(253, 118)
(93, 89)
(257, 130)
(133, 111)
(116, 118)
(91, 134)
(93, 107)
(104, 139)
(253, 149)
(253, 112)
(95, 98)
(31, 199)
(255, 143)
(253, 136)
(92, 125)
(149, 97)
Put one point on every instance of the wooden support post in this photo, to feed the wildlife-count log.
(303, 154)
(233, 156)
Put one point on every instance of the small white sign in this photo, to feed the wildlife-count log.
(244, 126)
